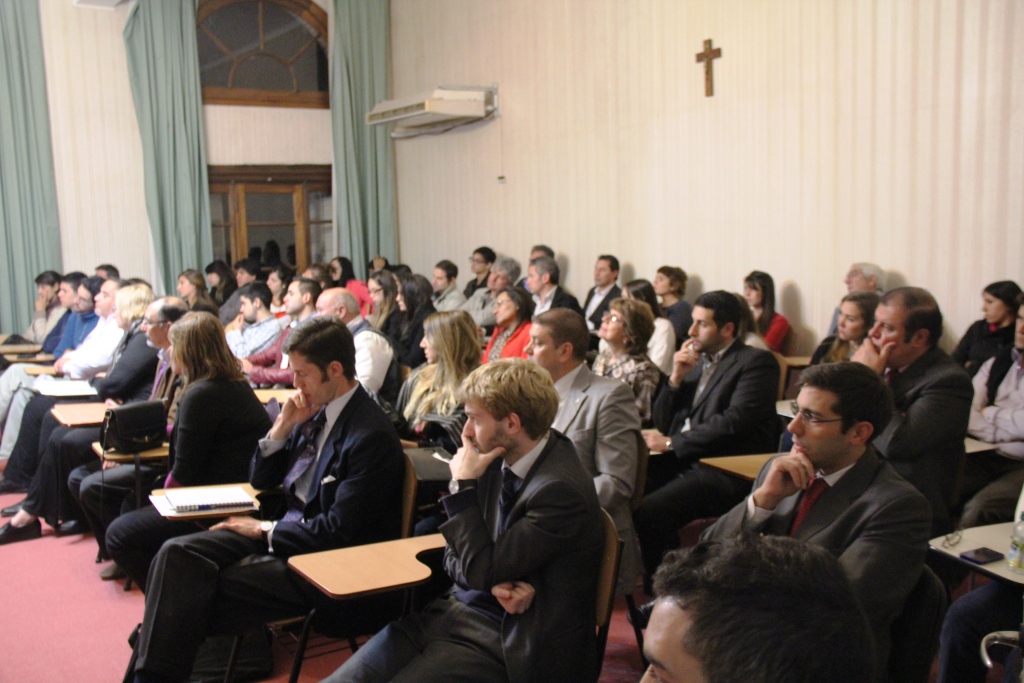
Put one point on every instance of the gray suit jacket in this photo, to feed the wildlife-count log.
(553, 541)
(599, 416)
(875, 523)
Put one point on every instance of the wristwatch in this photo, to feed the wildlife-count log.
(266, 526)
(456, 485)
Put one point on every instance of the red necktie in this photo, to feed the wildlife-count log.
(810, 497)
(890, 376)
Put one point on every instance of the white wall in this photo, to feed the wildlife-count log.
(840, 131)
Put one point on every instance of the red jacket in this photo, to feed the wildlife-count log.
(267, 363)
(515, 347)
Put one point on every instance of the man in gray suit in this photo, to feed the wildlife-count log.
(524, 540)
(599, 416)
(834, 491)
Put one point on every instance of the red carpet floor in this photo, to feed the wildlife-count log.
(63, 623)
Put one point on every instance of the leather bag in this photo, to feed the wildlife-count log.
(134, 427)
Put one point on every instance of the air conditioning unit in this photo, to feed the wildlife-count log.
(437, 110)
(97, 4)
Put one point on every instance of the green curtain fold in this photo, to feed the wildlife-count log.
(364, 200)
(29, 226)
(163, 69)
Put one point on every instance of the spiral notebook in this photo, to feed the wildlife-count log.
(204, 499)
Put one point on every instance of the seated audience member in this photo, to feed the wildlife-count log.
(386, 316)
(221, 282)
(209, 445)
(862, 277)
(524, 543)
(415, 304)
(604, 291)
(719, 400)
(536, 251)
(759, 610)
(993, 479)
(759, 291)
(376, 365)
(272, 254)
(480, 265)
(255, 328)
(277, 280)
(543, 276)
(38, 452)
(427, 405)
(670, 284)
(662, 345)
(993, 333)
(480, 306)
(67, 292)
(626, 328)
(192, 288)
(924, 441)
(599, 416)
(105, 490)
(447, 296)
(270, 366)
(344, 275)
(747, 330)
(108, 272)
(856, 318)
(513, 309)
(834, 490)
(247, 271)
(48, 311)
(342, 468)
(321, 274)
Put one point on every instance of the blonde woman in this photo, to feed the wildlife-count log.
(428, 403)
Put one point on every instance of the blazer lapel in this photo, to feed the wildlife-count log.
(328, 452)
(724, 366)
(834, 501)
(574, 400)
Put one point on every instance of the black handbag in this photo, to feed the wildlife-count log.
(134, 427)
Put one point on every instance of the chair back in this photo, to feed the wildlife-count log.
(607, 579)
(409, 485)
(915, 632)
(643, 454)
(783, 372)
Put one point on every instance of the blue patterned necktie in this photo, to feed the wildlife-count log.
(509, 487)
(310, 435)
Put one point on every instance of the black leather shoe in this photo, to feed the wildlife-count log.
(7, 486)
(72, 527)
(13, 534)
(642, 615)
(11, 510)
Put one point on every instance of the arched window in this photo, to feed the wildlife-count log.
(263, 52)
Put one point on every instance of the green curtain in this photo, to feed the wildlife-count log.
(364, 200)
(163, 68)
(29, 228)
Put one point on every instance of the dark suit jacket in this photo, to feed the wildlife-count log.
(735, 414)
(563, 299)
(356, 496)
(874, 522)
(553, 541)
(925, 439)
(614, 293)
(131, 376)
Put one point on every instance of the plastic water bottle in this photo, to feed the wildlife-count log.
(1015, 558)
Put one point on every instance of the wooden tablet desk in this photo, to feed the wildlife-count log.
(39, 370)
(742, 466)
(367, 569)
(158, 453)
(79, 414)
(282, 395)
(21, 348)
(993, 536)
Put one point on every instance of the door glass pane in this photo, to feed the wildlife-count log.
(321, 228)
(270, 219)
(220, 220)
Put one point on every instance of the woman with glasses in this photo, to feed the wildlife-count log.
(626, 329)
(662, 345)
(416, 303)
(856, 318)
(759, 291)
(428, 407)
(513, 309)
(386, 316)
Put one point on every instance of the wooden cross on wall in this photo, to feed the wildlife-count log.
(709, 76)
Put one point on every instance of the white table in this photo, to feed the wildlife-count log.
(993, 536)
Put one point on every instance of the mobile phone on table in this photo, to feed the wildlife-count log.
(982, 555)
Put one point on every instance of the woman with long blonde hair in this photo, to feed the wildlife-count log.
(428, 402)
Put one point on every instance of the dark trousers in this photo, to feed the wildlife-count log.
(24, 460)
(48, 495)
(104, 495)
(134, 539)
(990, 489)
(695, 493)
(993, 607)
(220, 583)
(446, 642)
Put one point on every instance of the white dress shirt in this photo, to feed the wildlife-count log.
(1001, 423)
(373, 356)
(96, 352)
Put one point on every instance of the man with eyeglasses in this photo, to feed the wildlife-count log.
(480, 265)
(833, 490)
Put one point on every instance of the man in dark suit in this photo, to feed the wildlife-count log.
(925, 439)
(542, 277)
(523, 548)
(606, 272)
(833, 490)
(719, 400)
(341, 465)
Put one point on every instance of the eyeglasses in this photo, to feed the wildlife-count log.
(809, 417)
(611, 317)
(502, 302)
(153, 323)
(374, 290)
